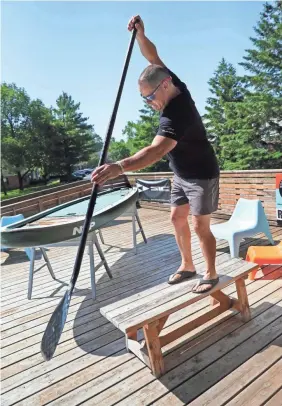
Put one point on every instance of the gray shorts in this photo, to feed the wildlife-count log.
(201, 194)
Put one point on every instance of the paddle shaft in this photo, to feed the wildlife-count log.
(57, 321)
(102, 160)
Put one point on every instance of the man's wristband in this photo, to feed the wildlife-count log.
(119, 163)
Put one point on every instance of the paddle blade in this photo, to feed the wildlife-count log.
(55, 327)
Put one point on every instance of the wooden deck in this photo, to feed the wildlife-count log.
(226, 362)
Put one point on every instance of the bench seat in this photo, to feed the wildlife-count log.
(150, 309)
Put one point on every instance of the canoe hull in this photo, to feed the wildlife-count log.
(35, 236)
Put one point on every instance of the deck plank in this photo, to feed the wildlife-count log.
(262, 389)
(174, 358)
(276, 399)
(240, 378)
(91, 364)
(171, 381)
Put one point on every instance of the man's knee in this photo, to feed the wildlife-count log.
(178, 216)
(201, 225)
(178, 221)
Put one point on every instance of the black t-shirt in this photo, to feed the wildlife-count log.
(193, 156)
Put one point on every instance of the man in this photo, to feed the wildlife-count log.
(182, 136)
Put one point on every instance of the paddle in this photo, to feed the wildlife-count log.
(57, 321)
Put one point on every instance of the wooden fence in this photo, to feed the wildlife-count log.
(43, 191)
(257, 184)
(36, 204)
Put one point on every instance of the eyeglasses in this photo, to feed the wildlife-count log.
(152, 96)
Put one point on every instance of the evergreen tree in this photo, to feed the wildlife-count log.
(258, 120)
(76, 140)
(247, 135)
(263, 64)
(226, 87)
(44, 137)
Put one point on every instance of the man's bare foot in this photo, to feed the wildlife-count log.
(183, 272)
(202, 286)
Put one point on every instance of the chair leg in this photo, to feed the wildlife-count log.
(28, 252)
(31, 272)
(234, 245)
(92, 270)
(269, 236)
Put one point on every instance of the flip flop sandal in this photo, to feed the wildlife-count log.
(212, 282)
(183, 275)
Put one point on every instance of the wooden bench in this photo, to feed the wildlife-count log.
(150, 309)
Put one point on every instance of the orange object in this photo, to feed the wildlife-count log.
(264, 256)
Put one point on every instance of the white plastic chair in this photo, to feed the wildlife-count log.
(247, 220)
(7, 220)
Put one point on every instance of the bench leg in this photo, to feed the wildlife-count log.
(222, 298)
(140, 350)
(213, 301)
(130, 336)
(161, 324)
(159, 327)
(153, 344)
(243, 300)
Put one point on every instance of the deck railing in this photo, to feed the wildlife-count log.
(255, 184)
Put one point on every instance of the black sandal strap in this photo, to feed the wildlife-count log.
(212, 282)
(186, 274)
(182, 276)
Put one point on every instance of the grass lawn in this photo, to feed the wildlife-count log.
(28, 190)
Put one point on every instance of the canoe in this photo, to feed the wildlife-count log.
(65, 222)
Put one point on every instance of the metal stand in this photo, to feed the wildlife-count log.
(90, 242)
(134, 218)
(32, 270)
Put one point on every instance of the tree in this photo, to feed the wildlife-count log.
(258, 120)
(76, 138)
(43, 135)
(226, 87)
(3, 184)
(263, 64)
(16, 147)
(245, 148)
(94, 155)
(247, 135)
(97, 141)
(118, 150)
(142, 133)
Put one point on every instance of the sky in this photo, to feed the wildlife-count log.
(80, 48)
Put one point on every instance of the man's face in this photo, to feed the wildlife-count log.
(155, 96)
